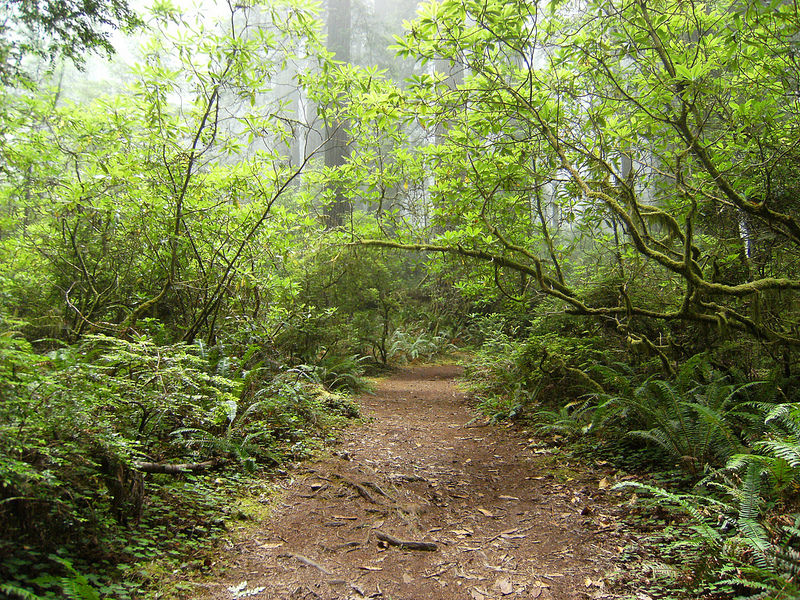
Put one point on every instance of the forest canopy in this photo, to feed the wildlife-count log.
(599, 198)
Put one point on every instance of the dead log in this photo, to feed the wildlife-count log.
(405, 544)
(174, 469)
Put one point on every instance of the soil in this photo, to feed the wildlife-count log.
(507, 516)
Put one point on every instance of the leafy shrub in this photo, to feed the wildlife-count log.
(694, 426)
(698, 419)
(335, 372)
(512, 372)
(76, 422)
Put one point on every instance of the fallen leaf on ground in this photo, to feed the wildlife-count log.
(370, 568)
(484, 512)
(509, 531)
(508, 498)
(504, 586)
(462, 575)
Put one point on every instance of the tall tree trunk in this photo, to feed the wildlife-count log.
(337, 149)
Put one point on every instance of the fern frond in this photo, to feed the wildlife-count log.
(787, 450)
(688, 504)
(718, 428)
(778, 412)
(749, 503)
(18, 592)
(756, 537)
(660, 438)
(78, 588)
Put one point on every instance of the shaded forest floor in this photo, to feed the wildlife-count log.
(509, 516)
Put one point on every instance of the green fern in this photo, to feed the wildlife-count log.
(751, 536)
(408, 346)
(74, 585)
(773, 571)
(17, 592)
(570, 420)
(692, 425)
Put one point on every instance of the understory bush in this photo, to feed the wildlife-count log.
(745, 517)
(726, 440)
(739, 443)
(85, 430)
(515, 371)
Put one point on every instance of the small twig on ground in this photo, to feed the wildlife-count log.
(377, 488)
(308, 562)
(406, 477)
(349, 545)
(441, 571)
(362, 491)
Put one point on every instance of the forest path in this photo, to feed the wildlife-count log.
(508, 518)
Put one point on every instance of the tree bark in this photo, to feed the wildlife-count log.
(337, 148)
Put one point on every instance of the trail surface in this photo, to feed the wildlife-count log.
(505, 518)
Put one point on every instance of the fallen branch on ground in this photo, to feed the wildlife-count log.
(405, 544)
(174, 469)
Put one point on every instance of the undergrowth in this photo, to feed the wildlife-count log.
(82, 513)
(717, 449)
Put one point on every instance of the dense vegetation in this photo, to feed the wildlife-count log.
(599, 196)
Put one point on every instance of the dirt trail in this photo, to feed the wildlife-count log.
(506, 521)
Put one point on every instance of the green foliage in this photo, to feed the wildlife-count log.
(414, 344)
(65, 28)
(74, 585)
(75, 421)
(548, 365)
(693, 426)
(629, 164)
(141, 222)
(745, 516)
(773, 465)
(602, 163)
(17, 592)
(350, 303)
(336, 372)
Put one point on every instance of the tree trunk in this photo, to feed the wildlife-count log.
(337, 149)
